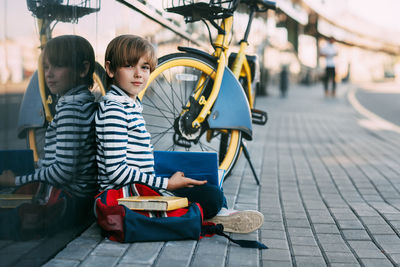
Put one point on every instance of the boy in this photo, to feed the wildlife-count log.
(124, 149)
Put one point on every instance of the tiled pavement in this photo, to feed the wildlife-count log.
(330, 194)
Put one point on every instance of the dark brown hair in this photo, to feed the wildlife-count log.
(127, 50)
(71, 51)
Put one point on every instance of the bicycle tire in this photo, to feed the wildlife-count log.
(35, 137)
(168, 90)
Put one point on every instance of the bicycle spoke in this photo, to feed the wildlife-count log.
(158, 116)
(162, 99)
(172, 93)
(165, 116)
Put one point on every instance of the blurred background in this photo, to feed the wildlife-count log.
(366, 34)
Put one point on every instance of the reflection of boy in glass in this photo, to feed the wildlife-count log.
(329, 51)
(69, 163)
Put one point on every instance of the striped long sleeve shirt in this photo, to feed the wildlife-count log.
(70, 147)
(124, 149)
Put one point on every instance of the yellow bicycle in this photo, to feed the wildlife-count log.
(37, 107)
(196, 101)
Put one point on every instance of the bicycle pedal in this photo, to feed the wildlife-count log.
(259, 117)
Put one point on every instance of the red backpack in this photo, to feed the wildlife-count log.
(124, 225)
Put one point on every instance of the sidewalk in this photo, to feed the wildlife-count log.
(330, 194)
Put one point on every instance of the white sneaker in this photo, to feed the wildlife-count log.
(235, 221)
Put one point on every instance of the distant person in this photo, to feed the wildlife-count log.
(329, 51)
(69, 170)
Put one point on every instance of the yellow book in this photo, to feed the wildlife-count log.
(14, 200)
(156, 203)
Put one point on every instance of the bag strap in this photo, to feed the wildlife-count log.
(218, 229)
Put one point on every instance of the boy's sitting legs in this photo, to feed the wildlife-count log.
(210, 198)
(215, 210)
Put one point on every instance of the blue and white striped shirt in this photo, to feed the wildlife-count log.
(70, 147)
(124, 149)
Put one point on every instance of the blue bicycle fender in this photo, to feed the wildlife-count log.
(231, 109)
(31, 113)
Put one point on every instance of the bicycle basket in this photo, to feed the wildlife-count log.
(62, 10)
(194, 10)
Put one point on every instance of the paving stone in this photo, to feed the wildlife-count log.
(380, 229)
(393, 217)
(306, 251)
(62, 263)
(330, 238)
(321, 228)
(303, 240)
(391, 248)
(335, 247)
(215, 245)
(369, 253)
(276, 243)
(276, 255)
(345, 265)
(387, 239)
(341, 257)
(100, 261)
(93, 231)
(180, 251)
(267, 225)
(142, 253)
(273, 217)
(243, 257)
(132, 265)
(78, 249)
(295, 215)
(208, 260)
(362, 245)
(372, 220)
(110, 248)
(297, 231)
(322, 219)
(350, 224)
(269, 263)
(310, 261)
(376, 262)
(275, 234)
(297, 223)
(356, 235)
(172, 263)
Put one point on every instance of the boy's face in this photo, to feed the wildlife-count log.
(58, 79)
(131, 79)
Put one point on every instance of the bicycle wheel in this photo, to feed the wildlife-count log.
(35, 137)
(171, 103)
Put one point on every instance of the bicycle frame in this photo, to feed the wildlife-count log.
(239, 66)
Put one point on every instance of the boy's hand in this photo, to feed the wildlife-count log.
(178, 180)
(7, 178)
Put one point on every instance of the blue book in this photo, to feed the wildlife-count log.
(19, 161)
(195, 165)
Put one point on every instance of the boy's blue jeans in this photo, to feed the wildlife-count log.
(210, 198)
